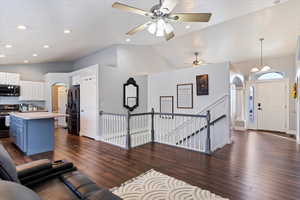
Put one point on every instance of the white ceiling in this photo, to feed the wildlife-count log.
(95, 25)
(238, 39)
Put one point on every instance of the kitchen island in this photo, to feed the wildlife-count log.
(33, 132)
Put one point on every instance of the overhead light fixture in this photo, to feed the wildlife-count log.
(160, 27)
(187, 26)
(254, 69)
(8, 46)
(276, 2)
(34, 55)
(128, 39)
(21, 27)
(46, 46)
(2, 56)
(263, 67)
(26, 61)
(67, 31)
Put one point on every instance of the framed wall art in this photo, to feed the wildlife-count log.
(185, 96)
(166, 104)
(202, 83)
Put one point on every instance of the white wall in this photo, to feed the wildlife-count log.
(111, 90)
(119, 63)
(164, 84)
(105, 57)
(141, 60)
(297, 69)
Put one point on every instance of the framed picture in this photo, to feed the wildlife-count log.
(202, 85)
(166, 104)
(185, 96)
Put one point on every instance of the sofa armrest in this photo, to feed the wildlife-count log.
(84, 188)
(33, 167)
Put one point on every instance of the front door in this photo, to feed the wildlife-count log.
(271, 100)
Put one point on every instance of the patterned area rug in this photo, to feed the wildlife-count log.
(154, 185)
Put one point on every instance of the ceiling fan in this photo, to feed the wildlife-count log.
(161, 15)
(198, 62)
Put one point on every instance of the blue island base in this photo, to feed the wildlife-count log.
(32, 136)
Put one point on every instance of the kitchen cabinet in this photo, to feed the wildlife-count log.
(9, 78)
(32, 91)
(17, 132)
(76, 80)
(32, 136)
(12, 79)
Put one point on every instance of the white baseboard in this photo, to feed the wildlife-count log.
(238, 128)
(291, 132)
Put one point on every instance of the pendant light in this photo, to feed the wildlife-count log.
(263, 67)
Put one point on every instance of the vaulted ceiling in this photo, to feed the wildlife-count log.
(95, 25)
(238, 39)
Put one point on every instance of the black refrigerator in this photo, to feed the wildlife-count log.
(73, 110)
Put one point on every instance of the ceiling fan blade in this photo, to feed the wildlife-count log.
(191, 17)
(131, 9)
(138, 28)
(169, 36)
(168, 6)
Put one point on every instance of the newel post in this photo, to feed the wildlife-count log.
(208, 139)
(152, 125)
(128, 138)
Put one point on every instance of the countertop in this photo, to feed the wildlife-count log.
(37, 115)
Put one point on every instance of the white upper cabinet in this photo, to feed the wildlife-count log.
(9, 78)
(2, 78)
(32, 91)
(13, 78)
(76, 80)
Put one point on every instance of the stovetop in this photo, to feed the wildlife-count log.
(5, 109)
(4, 113)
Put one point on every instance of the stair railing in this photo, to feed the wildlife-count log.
(141, 128)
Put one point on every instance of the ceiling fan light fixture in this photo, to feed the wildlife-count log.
(265, 68)
(152, 28)
(169, 28)
(254, 69)
(161, 24)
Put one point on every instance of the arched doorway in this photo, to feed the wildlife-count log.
(237, 103)
(59, 94)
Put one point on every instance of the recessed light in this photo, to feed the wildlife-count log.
(26, 61)
(2, 56)
(46, 46)
(34, 55)
(8, 46)
(188, 26)
(67, 31)
(128, 40)
(276, 2)
(22, 27)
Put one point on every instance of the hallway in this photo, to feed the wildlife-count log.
(256, 166)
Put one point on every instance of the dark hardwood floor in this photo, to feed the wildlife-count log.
(256, 166)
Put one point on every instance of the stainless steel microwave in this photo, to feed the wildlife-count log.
(10, 90)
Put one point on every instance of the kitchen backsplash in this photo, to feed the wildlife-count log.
(15, 100)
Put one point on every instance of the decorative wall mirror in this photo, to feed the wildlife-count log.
(131, 94)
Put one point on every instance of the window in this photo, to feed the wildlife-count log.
(270, 76)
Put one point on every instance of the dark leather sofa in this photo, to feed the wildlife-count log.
(43, 179)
